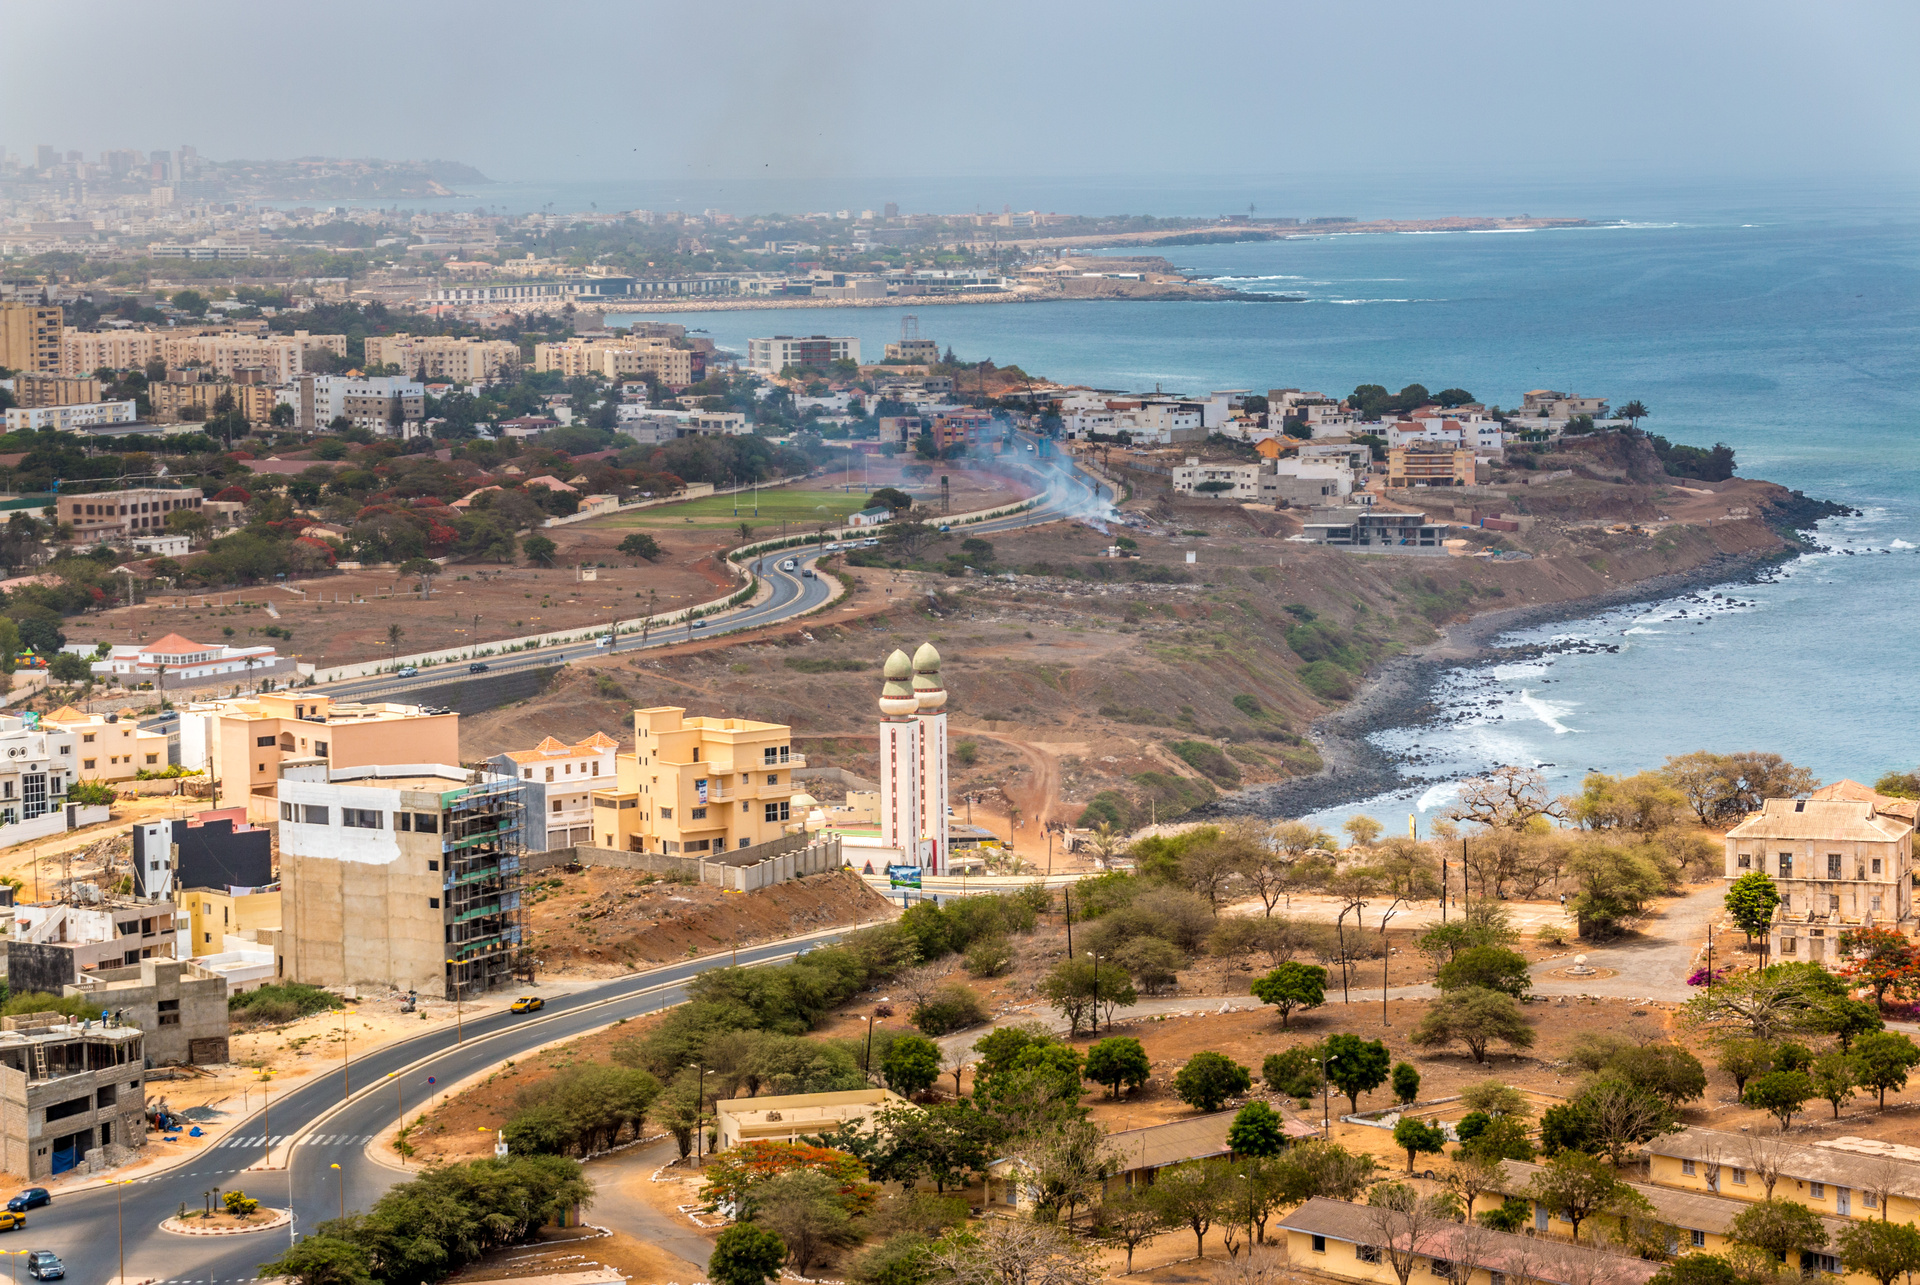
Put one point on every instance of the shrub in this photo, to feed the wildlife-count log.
(1209, 760)
(989, 957)
(240, 1204)
(1209, 1079)
(281, 1003)
(952, 1008)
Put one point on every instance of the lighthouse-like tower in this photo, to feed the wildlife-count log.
(930, 695)
(900, 761)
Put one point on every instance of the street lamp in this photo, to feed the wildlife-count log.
(346, 1059)
(343, 1192)
(120, 1220)
(1326, 1100)
(459, 1031)
(1094, 955)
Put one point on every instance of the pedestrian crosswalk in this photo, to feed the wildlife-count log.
(309, 1140)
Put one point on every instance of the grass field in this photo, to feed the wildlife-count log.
(776, 505)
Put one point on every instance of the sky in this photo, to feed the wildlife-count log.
(1500, 90)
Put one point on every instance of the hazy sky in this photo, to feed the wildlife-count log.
(1525, 90)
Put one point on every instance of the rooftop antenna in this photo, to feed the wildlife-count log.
(909, 328)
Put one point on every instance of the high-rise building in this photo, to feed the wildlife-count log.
(30, 338)
(914, 786)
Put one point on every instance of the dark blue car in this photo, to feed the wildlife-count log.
(31, 1198)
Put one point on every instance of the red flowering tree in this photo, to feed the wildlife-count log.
(1881, 958)
(233, 495)
(731, 1174)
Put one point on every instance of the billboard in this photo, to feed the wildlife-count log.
(903, 876)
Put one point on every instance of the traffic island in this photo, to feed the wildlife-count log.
(222, 1223)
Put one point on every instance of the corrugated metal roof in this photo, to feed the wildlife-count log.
(1809, 1164)
(1677, 1207)
(1544, 1260)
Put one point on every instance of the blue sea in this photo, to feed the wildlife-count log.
(1785, 324)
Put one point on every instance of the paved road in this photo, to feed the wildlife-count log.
(81, 1227)
(621, 1208)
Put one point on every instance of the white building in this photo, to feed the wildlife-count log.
(36, 767)
(1479, 433)
(67, 419)
(914, 787)
(174, 660)
(367, 400)
(163, 546)
(1227, 481)
(771, 356)
(560, 780)
(111, 935)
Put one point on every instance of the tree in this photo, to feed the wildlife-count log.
(1779, 1227)
(1067, 1166)
(1766, 1005)
(1622, 1115)
(323, 1259)
(1290, 986)
(1846, 1020)
(1153, 964)
(422, 569)
(394, 635)
(890, 497)
(1877, 957)
(1664, 1069)
(1406, 1083)
(1079, 989)
(1475, 1017)
(1320, 1168)
(1118, 1061)
(1494, 967)
(1505, 1137)
(1507, 798)
(1257, 1130)
(1356, 1066)
(1577, 1186)
(1011, 1251)
(944, 1142)
(1404, 1224)
(641, 545)
(1883, 1250)
(1719, 786)
(808, 1211)
(1469, 1174)
(1884, 1058)
(1782, 1093)
(911, 1065)
(1633, 412)
(1745, 1058)
(539, 550)
(1416, 1135)
(1129, 1220)
(69, 668)
(1363, 830)
(745, 1254)
(1836, 1077)
(1188, 1194)
(1209, 1079)
(1751, 900)
(1698, 1269)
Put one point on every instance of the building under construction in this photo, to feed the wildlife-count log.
(405, 876)
(71, 1093)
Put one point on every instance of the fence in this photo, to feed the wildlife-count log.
(742, 870)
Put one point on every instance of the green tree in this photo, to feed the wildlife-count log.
(1633, 412)
(323, 1259)
(1290, 986)
(809, 1213)
(1416, 1135)
(1118, 1061)
(1782, 1093)
(1836, 1078)
(1779, 1227)
(1494, 967)
(1698, 1269)
(1475, 1017)
(1750, 901)
(1744, 1059)
(1406, 1083)
(1884, 1059)
(1566, 1127)
(1189, 1195)
(1209, 1079)
(745, 1254)
(1356, 1066)
(69, 668)
(1883, 1250)
(1505, 1137)
(1577, 1186)
(1293, 1071)
(539, 550)
(1257, 1130)
(911, 1065)
(1079, 989)
(641, 545)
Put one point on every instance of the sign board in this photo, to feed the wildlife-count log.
(903, 876)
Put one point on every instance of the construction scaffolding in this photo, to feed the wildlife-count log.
(484, 847)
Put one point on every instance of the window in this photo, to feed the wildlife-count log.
(1440, 1267)
(152, 759)
(699, 814)
(526, 774)
(1686, 1166)
(1367, 1253)
(1842, 1201)
(1819, 1263)
(433, 865)
(1739, 1177)
(169, 1012)
(1833, 865)
(1744, 861)
(1870, 1199)
(777, 811)
(746, 807)
(1876, 865)
(320, 748)
(549, 774)
(745, 842)
(1319, 1244)
(265, 742)
(87, 739)
(1789, 945)
(1786, 865)
(1697, 1238)
(1833, 903)
(1540, 1216)
(426, 823)
(88, 764)
(207, 938)
(403, 820)
(1816, 1191)
(360, 819)
(433, 903)
(666, 814)
(556, 805)
(311, 814)
(773, 778)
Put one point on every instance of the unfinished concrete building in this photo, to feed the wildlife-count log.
(71, 1094)
(181, 1006)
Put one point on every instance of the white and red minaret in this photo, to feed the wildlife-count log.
(900, 761)
(930, 695)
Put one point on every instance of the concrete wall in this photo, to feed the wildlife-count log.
(34, 967)
(193, 1028)
(742, 870)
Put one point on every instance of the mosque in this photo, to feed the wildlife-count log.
(914, 791)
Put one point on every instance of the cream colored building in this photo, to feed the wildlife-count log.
(215, 914)
(560, 780)
(1429, 464)
(242, 743)
(619, 358)
(30, 338)
(1843, 858)
(84, 351)
(783, 1118)
(55, 390)
(141, 510)
(109, 750)
(1348, 1241)
(449, 358)
(698, 785)
(283, 357)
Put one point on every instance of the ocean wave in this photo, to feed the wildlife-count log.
(1355, 301)
(1547, 712)
(1900, 544)
(1279, 276)
(1641, 629)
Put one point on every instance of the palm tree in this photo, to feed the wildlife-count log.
(1633, 412)
(394, 633)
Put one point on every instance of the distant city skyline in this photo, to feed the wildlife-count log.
(616, 94)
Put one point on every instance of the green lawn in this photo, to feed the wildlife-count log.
(782, 504)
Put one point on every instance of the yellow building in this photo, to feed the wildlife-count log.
(30, 338)
(1360, 1243)
(243, 742)
(214, 914)
(698, 785)
(784, 1118)
(109, 749)
(457, 359)
(617, 359)
(1429, 464)
(55, 390)
(1840, 1178)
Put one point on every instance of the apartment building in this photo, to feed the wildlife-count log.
(192, 395)
(771, 356)
(69, 419)
(623, 358)
(217, 848)
(37, 764)
(174, 661)
(1226, 481)
(697, 785)
(1843, 858)
(283, 357)
(914, 352)
(401, 875)
(84, 351)
(1429, 463)
(376, 402)
(69, 1094)
(243, 743)
(54, 390)
(30, 337)
(1545, 403)
(1306, 483)
(106, 746)
(216, 916)
(462, 359)
(559, 780)
(1343, 1240)
(52, 945)
(1362, 527)
(98, 515)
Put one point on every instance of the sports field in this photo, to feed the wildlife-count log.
(782, 504)
(827, 498)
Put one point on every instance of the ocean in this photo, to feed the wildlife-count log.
(1786, 325)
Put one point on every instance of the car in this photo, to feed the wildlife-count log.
(477, 667)
(9, 1220)
(604, 642)
(529, 1004)
(45, 1265)
(31, 1198)
(788, 565)
(407, 671)
(809, 574)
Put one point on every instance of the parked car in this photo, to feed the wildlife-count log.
(529, 1004)
(31, 1198)
(477, 667)
(45, 1265)
(407, 671)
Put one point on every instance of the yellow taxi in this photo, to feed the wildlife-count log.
(10, 1220)
(529, 1004)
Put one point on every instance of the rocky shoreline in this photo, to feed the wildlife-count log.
(1400, 693)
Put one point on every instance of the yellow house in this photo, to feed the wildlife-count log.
(786, 1117)
(1429, 464)
(109, 749)
(698, 785)
(214, 913)
(1352, 1242)
(1841, 1178)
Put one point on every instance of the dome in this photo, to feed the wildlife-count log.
(896, 698)
(898, 667)
(926, 660)
(928, 693)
